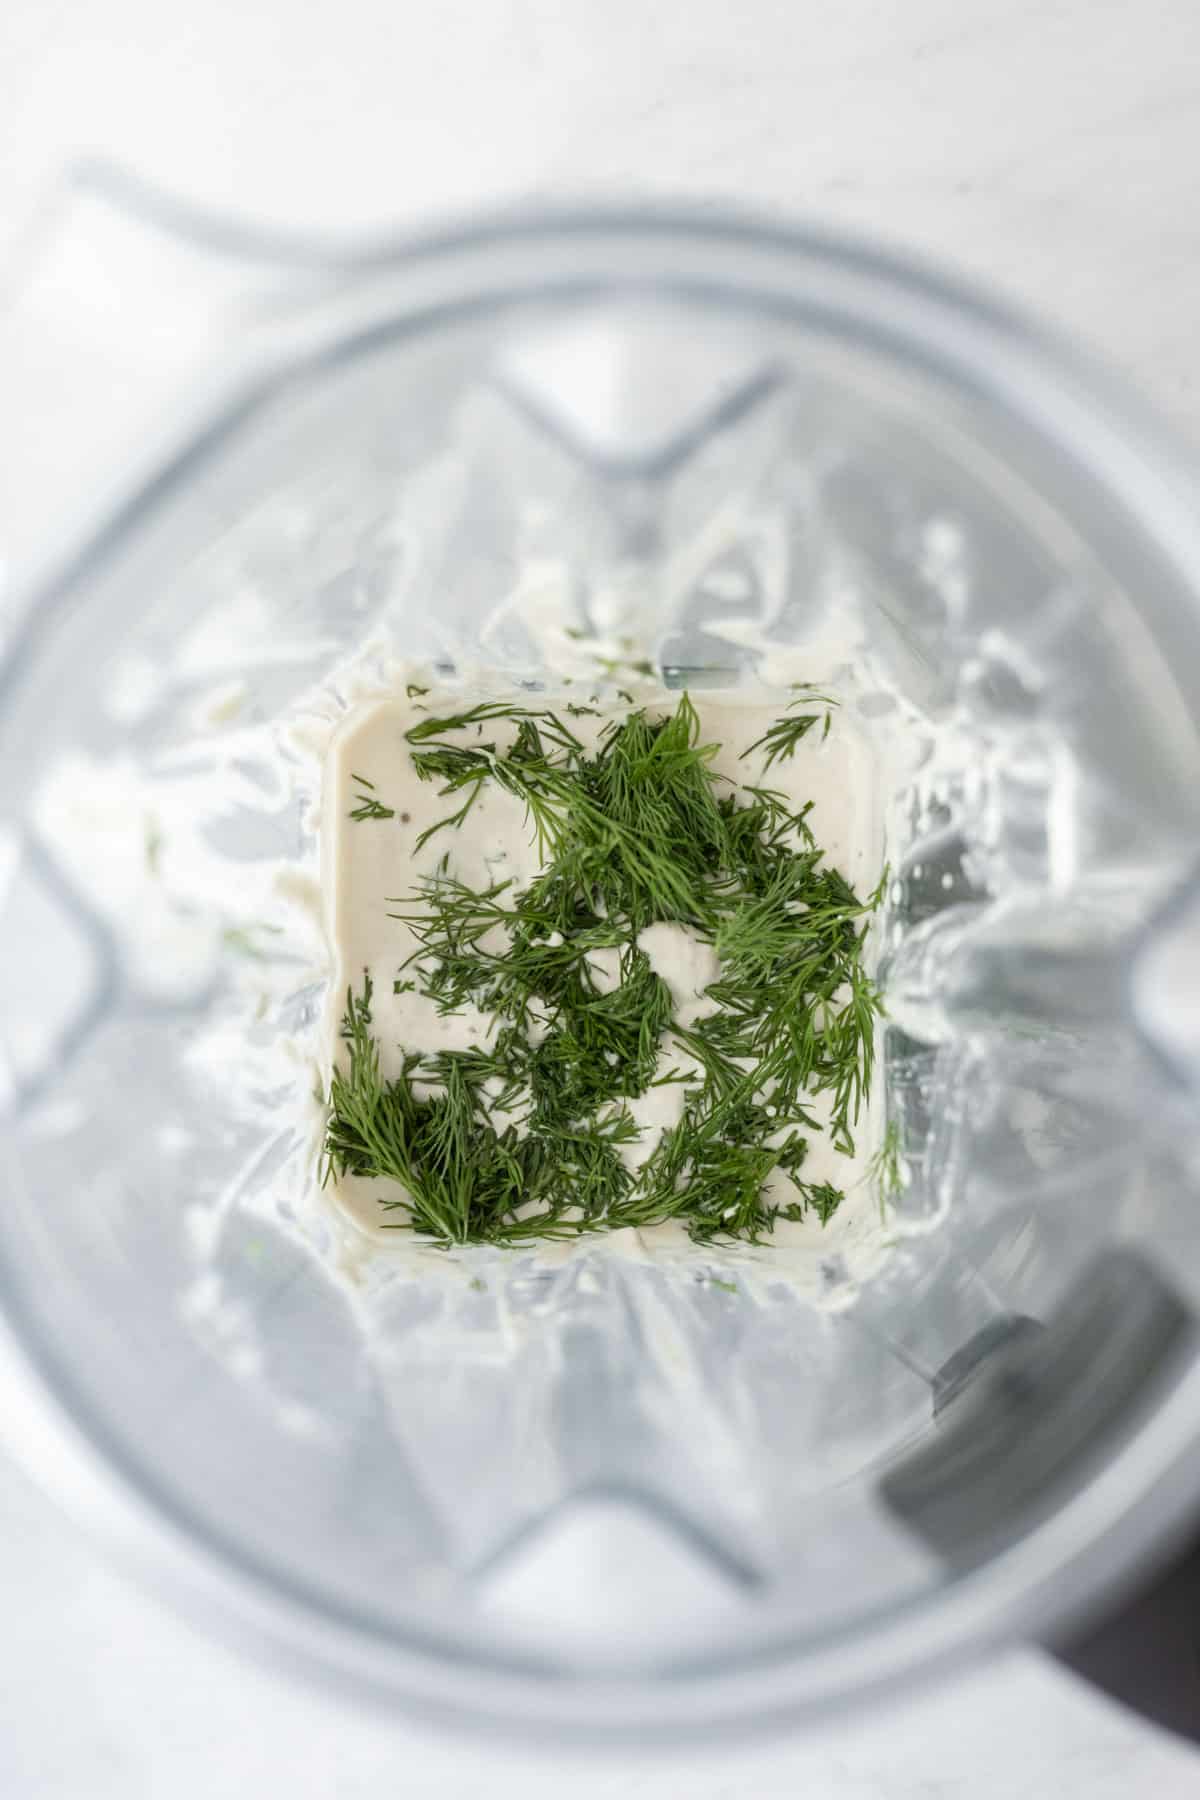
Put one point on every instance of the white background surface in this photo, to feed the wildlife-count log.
(1049, 149)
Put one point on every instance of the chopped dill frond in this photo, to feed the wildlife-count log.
(369, 805)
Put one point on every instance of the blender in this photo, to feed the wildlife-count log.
(596, 1497)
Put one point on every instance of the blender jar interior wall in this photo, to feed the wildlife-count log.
(401, 1449)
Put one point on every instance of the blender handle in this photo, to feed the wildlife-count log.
(1146, 1655)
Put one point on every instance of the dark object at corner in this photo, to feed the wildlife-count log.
(1021, 1405)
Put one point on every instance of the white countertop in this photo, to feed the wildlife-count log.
(1046, 146)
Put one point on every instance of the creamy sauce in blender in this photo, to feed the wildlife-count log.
(370, 862)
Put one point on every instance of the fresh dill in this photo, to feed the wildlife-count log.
(886, 1171)
(522, 1136)
(779, 741)
(243, 940)
(153, 841)
(369, 805)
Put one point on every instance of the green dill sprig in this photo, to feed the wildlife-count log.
(780, 740)
(886, 1170)
(369, 805)
(463, 1179)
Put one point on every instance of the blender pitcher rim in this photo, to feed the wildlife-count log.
(1028, 364)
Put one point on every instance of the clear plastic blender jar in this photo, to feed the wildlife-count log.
(601, 1496)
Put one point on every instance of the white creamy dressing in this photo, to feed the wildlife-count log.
(370, 864)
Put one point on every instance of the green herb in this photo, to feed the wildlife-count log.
(153, 843)
(414, 692)
(521, 1137)
(369, 807)
(781, 739)
(887, 1166)
(241, 939)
